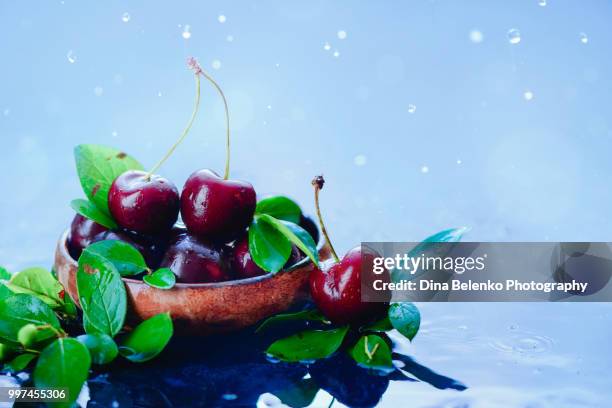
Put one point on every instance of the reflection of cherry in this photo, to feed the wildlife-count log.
(336, 288)
(82, 233)
(195, 261)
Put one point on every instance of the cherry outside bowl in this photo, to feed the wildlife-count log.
(205, 308)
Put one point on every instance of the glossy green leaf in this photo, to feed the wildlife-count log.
(297, 235)
(6, 351)
(162, 278)
(148, 339)
(300, 394)
(32, 335)
(18, 310)
(126, 259)
(97, 167)
(382, 325)
(89, 210)
(281, 208)
(63, 364)
(4, 276)
(372, 351)
(102, 294)
(304, 315)
(19, 363)
(269, 249)
(308, 345)
(405, 318)
(40, 283)
(102, 348)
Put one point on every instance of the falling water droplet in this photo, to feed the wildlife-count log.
(528, 95)
(125, 17)
(98, 91)
(187, 32)
(476, 36)
(72, 58)
(222, 19)
(542, 3)
(336, 53)
(6, 112)
(114, 133)
(326, 46)
(459, 161)
(514, 36)
(360, 160)
(583, 38)
(159, 93)
(216, 64)
(424, 169)
(230, 38)
(269, 107)
(341, 34)
(411, 108)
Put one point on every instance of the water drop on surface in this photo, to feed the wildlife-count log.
(216, 64)
(341, 35)
(476, 36)
(424, 169)
(360, 160)
(327, 46)
(71, 57)
(186, 32)
(583, 38)
(528, 95)
(126, 17)
(514, 36)
(411, 108)
(98, 91)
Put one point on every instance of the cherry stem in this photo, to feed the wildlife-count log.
(317, 183)
(196, 106)
(227, 122)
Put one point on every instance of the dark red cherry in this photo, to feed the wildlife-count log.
(81, 235)
(336, 290)
(310, 226)
(147, 205)
(216, 209)
(152, 249)
(241, 262)
(195, 261)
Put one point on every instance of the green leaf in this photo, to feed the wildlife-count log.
(4, 276)
(281, 208)
(406, 318)
(308, 345)
(40, 283)
(101, 293)
(269, 249)
(19, 363)
(30, 335)
(300, 394)
(295, 234)
(308, 315)
(21, 309)
(372, 351)
(126, 259)
(148, 339)
(98, 166)
(102, 348)
(6, 351)
(88, 210)
(63, 364)
(162, 278)
(382, 325)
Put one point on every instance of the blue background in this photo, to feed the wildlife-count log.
(510, 168)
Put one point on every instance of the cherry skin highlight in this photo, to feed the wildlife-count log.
(195, 261)
(82, 233)
(142, 203)
(216, 209)
(336, 290)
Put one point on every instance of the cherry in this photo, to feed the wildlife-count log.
(310, 226)
(151, 248)
(242, 264)
(82, 233)
(336, 288)
(195, 261)
(216, 208)
(144, 203)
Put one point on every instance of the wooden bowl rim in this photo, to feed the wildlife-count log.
(63, 247)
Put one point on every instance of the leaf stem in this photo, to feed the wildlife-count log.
(227, 122)
(318, 183)
(194, 113)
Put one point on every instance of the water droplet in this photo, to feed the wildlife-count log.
(6, 112)
(583, 38)
(126, 17)
(514, 36)
(222, 19)
(114, 133)
(98, 91)
(513, 327)
(327, 46)
(424, 169)
(476, 36)
(360, 160)
(411, 108)
(72, 58)
(115, 404)
(459, 161)
(229, 397)
(336, 54)
(216, 64)
(159, 93)
(542, 3)
(277, 65)
(186, 32)
(269, 107)
(230, 38)
(341, 34)
(528, 95)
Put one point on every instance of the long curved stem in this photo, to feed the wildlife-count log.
(196, 106)
(227, 123)
(317, 183)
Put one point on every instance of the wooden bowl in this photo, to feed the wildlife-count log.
(205, 308)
